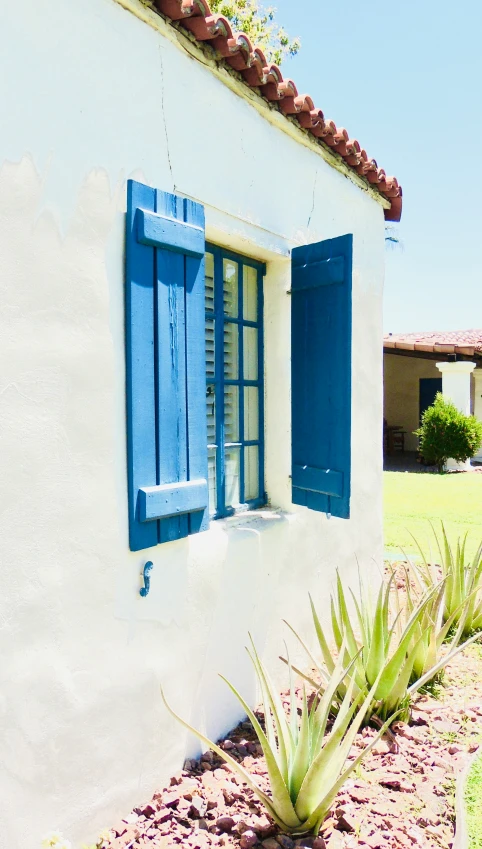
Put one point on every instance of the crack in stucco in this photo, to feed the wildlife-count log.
(163, 110)
(313, 200)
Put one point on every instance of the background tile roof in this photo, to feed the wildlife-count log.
(238, 52)
(437, 341)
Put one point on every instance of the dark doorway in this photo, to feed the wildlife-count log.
(429, 386)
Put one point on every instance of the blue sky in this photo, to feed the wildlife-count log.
(405, 79)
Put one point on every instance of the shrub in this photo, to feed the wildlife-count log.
(306, 766)
(446, 432)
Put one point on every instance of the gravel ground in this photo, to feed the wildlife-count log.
(401, 796)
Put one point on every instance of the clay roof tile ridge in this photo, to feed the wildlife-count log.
(238, 51)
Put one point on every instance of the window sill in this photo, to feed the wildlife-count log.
(261, 516)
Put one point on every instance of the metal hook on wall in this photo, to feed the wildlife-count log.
(148, 567)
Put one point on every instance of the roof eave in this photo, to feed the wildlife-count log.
(190, 25)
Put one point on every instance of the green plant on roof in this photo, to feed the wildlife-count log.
(306, 763)
(446, 432)
(390, 654)
(260, 25)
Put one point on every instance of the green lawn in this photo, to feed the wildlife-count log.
(473, 803)
(411, 499)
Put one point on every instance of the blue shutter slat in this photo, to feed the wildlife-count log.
(171, 358)
(168, 500)
(140, 367)
(321, 375)
(196, 368)
(170, 234)
(328, 271)
(318, 480)
(168, 486)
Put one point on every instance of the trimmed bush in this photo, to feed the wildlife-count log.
(446, 432)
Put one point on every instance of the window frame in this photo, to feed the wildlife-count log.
(219, 382)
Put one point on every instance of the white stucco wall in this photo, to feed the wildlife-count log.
(94, 96)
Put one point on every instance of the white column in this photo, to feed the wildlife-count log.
(478, 404)
(456, 388)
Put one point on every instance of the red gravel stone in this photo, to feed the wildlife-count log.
(284, 841)
(225, 823)
(249, 838)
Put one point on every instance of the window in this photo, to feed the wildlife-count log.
(234, 381)
(182, 467)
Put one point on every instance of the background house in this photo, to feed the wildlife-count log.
(225, 156)
(418, 365)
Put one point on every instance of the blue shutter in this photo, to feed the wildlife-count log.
(165, 367)
(321, 331)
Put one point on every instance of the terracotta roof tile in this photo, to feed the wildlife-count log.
(468, 342)
(238, 51)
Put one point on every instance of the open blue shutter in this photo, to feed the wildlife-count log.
(165, 367)
(321, 292)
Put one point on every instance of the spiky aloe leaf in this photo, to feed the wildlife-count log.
(327, 759)
(338, 674)
(463, 585)
(301, 757)
(376, 656)
(391, 675)
(322, 712)
(335, 625)
(348, 634)
(301, 753)
(421, 657)
(280, 806)
(344, 619)
(294, 730)
(269, 720)
(361, 620)
(327, 766)
(477, 621)
(313, 661)
(458, 568)
(303, 675)
(473, 576)
(315, 820)
(398, 693)
(422, 575)
(283, 733)
(325, 650)
(440, 665)
(458, 615)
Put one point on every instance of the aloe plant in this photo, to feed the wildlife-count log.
(390, 655)
(433, 628)
(463, 581)
(306, 764)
